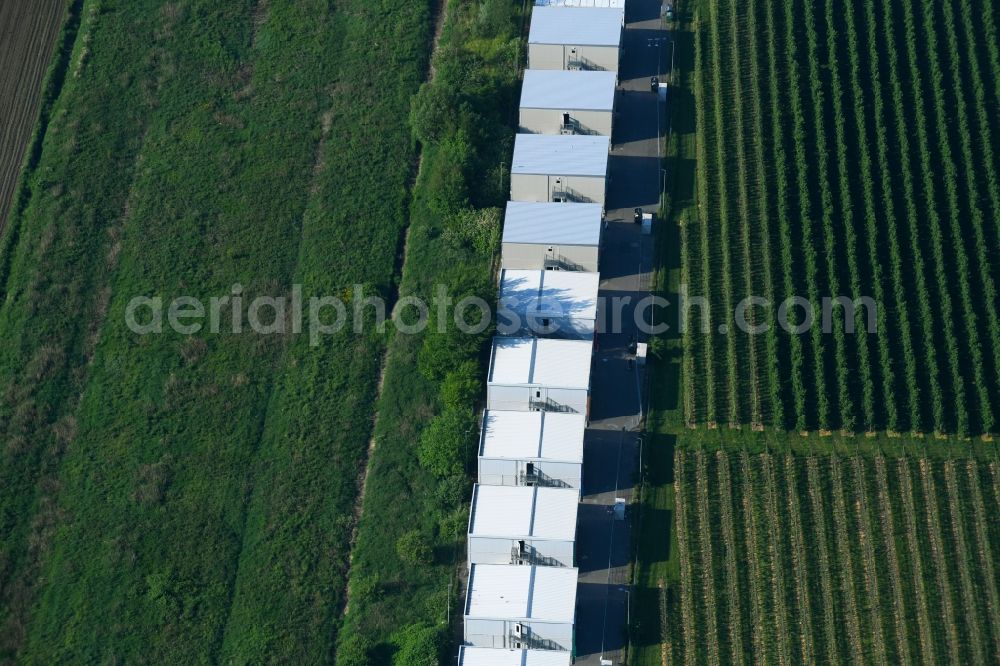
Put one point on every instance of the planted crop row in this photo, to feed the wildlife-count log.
(987, 163)
(783, 208)
(731, 557)
(727, 219)
(799, 555)
(761, 647)
(888, 530)
(740, 101)
(970, 608)
(687, 560)
(707, 562)
(933, 526)
(774, 408)
(805, 212)
(867, 536)
(846, 223)
(845, 556)
(777, 552)
(705, 237)
(907, 328)
(910, 529)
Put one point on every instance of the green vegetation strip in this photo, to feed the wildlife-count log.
(185, 496)
(404, 580)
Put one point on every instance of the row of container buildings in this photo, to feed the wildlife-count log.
(520, 607)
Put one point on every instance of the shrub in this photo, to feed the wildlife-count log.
(413, 548)
(355, 651)
(461, 386)
(451, 491)
(444, 443)
(478, 228)
(431, 112)
(419, 645)
(448, 189)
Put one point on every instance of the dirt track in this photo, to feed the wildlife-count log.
(28, 30)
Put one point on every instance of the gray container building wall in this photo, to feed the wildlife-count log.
(503, 472)
(493, 472)
(529, 187)
(583, 189)
(546, 188)
(546, 56)
(519, 398)
(492, 550)
(549, 121)
(513, 398)
(577, 400)
(562, 56)
(498, 633)
(533, 256)
(486, 633)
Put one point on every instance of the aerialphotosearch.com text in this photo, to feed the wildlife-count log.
(322, 316)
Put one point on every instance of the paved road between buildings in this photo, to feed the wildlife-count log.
(611, 447)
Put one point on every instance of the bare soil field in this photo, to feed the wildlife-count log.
(28, 30)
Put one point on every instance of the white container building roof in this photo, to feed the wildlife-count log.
(518, 592)
(518, 512)
(515, 435)
(567, 90)
(480, 656)
(552, 223)
(541, 362)
(550, 293)
(599, 26)
(560, 155)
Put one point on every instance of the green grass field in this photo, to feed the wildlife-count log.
(192, 497)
